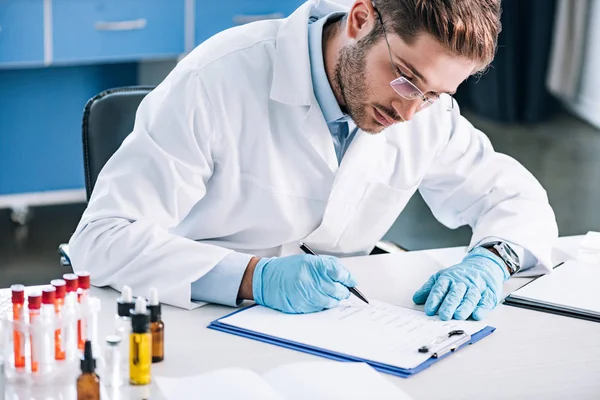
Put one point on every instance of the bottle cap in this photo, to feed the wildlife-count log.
(61, 287)
(83, 279)
(140, 317)
(72, 282)
(18, 294)
(113, 340)
(34, 301)
(154, 305)
(48, 295)
(125, 303)
(88, 363)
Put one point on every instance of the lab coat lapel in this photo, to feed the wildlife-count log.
(316, 131)
(357, 170)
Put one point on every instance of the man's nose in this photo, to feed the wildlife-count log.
(407, 108)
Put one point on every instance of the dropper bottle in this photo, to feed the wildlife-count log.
(125, 304)
(88, 383)
(157, 327)
(140, 345)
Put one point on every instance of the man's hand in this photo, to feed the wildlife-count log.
(473, 287)
(299, 283)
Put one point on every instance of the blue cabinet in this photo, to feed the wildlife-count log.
(105, 30)
(215, 16)
(40, 123)
(21, 32)
(82, 47)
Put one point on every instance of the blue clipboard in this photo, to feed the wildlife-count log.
(386, 368)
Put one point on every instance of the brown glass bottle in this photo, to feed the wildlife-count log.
(157, 328)
(88, 383)
(158, 341)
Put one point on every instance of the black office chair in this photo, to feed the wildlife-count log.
(107, 120)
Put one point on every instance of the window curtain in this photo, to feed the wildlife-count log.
(574, 74)
(514, 88)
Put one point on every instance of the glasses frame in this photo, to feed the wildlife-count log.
(425, 101)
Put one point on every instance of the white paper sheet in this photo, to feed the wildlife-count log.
(378, 332)
(223, 384)
(315, 380)
(572, 285)
(330, 380)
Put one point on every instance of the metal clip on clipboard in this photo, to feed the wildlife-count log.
(447, 343)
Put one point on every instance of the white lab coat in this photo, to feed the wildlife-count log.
(232, 153)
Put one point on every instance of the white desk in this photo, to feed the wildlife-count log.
(531, 355)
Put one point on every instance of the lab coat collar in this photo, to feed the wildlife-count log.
(322, 88)
(292, 83)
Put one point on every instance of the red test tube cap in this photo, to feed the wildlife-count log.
(84, 279)
(72, 282)
(48, 295)
(61, 287)
(34, 301)
(18, 294)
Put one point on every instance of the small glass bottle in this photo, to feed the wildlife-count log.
(88, 383)
(113, 376)
(157, 328)
(140, 345)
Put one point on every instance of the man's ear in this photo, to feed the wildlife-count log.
(361, 19)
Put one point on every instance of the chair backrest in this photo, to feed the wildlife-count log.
(107, 120)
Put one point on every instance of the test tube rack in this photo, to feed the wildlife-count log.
(37, 343)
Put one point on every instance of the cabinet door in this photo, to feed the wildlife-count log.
(215, 16)
(105, 30)
(21, 32)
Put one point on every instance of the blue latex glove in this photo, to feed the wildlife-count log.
(473, 287)
(301, 283)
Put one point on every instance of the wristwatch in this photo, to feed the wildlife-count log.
(508, 255)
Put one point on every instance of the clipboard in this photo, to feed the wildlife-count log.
(560, 293)
(439, 350)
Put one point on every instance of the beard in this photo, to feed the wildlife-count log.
(351, 84)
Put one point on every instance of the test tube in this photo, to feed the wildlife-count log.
(83, 280)
(18, 301)
(34, 302)
(61, 288)
(69, 325)
(47, 329)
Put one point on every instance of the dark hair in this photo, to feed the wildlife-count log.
(467, 28)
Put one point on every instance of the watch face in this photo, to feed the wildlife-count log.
(511, 252)
(509, 256)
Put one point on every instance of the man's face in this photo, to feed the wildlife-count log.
(363, 75)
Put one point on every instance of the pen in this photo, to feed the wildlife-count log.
(352, 290)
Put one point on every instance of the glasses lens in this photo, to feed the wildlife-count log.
(405, 88)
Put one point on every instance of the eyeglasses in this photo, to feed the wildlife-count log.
(405, 88)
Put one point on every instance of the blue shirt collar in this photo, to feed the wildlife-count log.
(323, 92)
